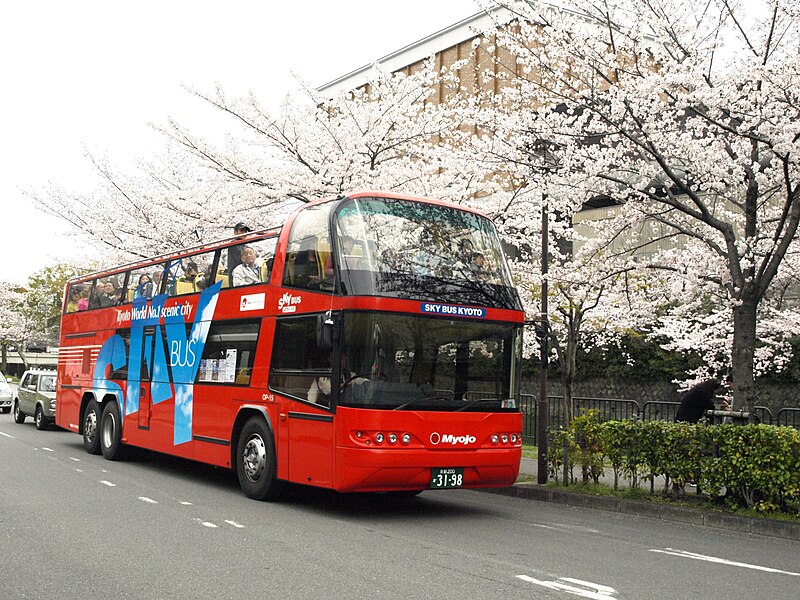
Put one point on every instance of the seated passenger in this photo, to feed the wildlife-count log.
(74, 298)
(306, 267)
(144, 288)
(249, 272)
(109, 296)
(191, 281)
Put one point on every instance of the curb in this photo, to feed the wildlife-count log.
(664, 512)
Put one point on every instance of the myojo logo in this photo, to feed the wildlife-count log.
(454, 440)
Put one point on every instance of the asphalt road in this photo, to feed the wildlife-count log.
(73, 525)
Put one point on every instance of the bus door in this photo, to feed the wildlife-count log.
(145, 381)
(306, 423)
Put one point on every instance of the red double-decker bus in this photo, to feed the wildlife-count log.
(371, 343)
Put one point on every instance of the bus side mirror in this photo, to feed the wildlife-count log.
(326, 331)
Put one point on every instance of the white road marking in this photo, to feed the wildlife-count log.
(75, 459)
(148, 500)
(206, 524)
(721, 561)
(79, 470)
(47, 449)
(11, 437)
(185, 503)
(584, 589)
(108, 483)
(235, 524)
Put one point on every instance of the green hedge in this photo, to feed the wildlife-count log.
(753, 466)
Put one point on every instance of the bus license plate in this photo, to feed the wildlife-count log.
(450, 477)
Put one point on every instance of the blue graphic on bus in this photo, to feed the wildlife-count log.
(181, 359)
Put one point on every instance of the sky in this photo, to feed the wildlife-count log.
(93, 75)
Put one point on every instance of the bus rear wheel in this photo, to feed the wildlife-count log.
(111, 433)
(256, 465)
(91, 428)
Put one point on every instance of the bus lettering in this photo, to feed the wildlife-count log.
(182, 357)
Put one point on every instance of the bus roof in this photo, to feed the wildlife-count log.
(267, 232)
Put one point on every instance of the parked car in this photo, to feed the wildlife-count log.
(36, 397)
(6, 394)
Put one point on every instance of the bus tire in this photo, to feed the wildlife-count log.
(39, 419)
(91, 428)
(256, 464)
(110, 433)
(19, 416)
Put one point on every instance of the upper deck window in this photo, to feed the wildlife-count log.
(308, 254)
(401, 248)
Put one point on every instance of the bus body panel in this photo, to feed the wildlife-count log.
(437, 440)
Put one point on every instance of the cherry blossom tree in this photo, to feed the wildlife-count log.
(383, 135)
(689, 116)
(13, 325)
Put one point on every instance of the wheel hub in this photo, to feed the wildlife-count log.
(254, 458)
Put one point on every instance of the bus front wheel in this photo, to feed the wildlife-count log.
(255, 460)
(111, 433)
(91, 428)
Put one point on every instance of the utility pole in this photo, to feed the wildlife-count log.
(543, 407)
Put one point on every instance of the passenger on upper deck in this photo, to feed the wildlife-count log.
(235, 252)
(144, 288)
(306, 268)
(249, 272)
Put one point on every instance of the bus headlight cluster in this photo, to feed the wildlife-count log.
(378, 437)
(506, 438)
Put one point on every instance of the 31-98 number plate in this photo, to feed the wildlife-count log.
(449, 477)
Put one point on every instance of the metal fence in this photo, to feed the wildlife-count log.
(612, 409)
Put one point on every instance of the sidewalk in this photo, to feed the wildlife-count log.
(531, 490)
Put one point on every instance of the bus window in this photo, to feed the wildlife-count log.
(95, 289)
(229, 353)
(297, 364)
(145, 282)
(109, 290)
(74, 297)
(308, 255)
(193, 272)
(257, 258)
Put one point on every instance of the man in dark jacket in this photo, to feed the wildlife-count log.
(697, 400)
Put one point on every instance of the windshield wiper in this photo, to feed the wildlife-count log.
(474, 402)
(415, 400)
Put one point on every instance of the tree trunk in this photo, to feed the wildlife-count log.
(743, 355)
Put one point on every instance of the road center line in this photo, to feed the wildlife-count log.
(11, 437)
(235, 524)
(721, 561)
(108, 483)
(148, 500)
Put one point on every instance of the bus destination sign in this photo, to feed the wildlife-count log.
(453, 310)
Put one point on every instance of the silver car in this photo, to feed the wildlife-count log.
(36, 397)
(6, 395)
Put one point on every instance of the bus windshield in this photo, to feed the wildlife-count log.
(413, 362)
(406, 249)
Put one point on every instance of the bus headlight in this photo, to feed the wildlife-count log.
(406, 438)
(378, 438)
(392, 438)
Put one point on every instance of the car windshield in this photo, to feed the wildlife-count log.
(47, 383)
(411, 362)
(407, 249)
